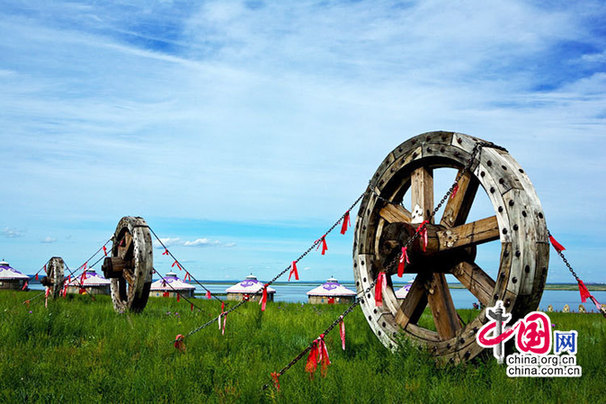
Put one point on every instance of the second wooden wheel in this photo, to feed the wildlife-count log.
(55, 276)
(131, 265)
(384, 225)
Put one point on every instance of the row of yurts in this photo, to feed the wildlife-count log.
(330, 292)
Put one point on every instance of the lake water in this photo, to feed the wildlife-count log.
(295, 292)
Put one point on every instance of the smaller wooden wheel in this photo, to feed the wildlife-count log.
(54, 276)
(131, 265)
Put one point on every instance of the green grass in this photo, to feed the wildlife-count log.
(80, 350)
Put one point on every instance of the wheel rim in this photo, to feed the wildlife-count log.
(56, 275)
(382, 228)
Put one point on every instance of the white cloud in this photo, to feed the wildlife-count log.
(11, 233)
(202, 242)
(168, 242)
(48, 240)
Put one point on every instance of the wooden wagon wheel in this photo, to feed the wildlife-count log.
(384, 225)
(55, 276)
(131, 265)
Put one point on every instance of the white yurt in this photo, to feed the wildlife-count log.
(93, 283)
(248, 287)
(403, 291)
(10, 278)
(170, 285)
(331, 292)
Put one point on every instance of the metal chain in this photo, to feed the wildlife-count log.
(260, 291)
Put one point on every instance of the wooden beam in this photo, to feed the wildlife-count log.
(422, 194)
(442, 308)
(474, 233)
(395, 213)
(478, 282)
(457, 208)
(413, 305)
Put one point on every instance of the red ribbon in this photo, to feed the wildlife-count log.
(263, 300)
(46, 297)
(105, 251)
(312, 359)
(24, 286)
(177, 264)
(186, 276)
(455, 189)
(36, 276)
(324, 246)
(381, 283)
(346, 223)
(323, 355)
(275, 376)
(422, 230)
(584, 291)
(224, 315)
(403, 261)
(342, 332)
(293, 270)
(44, 270)
(191, 306)
(165, 252)
(180, 342)
(208, 294)
(559, 247)
(222, 307)
(178, 297)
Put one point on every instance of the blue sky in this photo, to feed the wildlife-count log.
(251, 126)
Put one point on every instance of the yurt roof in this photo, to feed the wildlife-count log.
(170, 283)
(249, 285)
(403, 291)
(331, 288)
(8, 273)
(92, 279)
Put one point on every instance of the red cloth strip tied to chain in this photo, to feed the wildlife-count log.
(263, 300)
(342, 332)
(322, 241)
(105, 251)
(559, 247)
(24, 286)
(586, 294)
(323, 355)
(36, 276)
(208, 296)
(403, 261)
(346, 223)
(191, 306)
(294, 271)
(178, 297)
(422, 230)
(381, 284)
(455, 189)
(180, 342)
(165, 252)
(275, 376)
(177, 264)
(317, 354)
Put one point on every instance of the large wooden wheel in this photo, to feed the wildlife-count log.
(55, 275)
(131, 265)
(384, 225)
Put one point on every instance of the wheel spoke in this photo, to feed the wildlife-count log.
(395, 213)
(413, 305)
(422, 194)
(444, 313)
(457, 208)
(478, 282)
(474, 233)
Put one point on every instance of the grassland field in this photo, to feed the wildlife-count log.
(79, 350)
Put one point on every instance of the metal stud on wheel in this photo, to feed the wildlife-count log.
(131, 265)
(384, 225)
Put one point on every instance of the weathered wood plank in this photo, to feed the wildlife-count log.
(413, 305)
(457, 208)
(474, 233)
(395, 213)
(442, 308)
(422, 194)
(478, 282)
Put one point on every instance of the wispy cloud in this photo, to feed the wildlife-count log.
(11, 233)
(48, 240)
(168, 242)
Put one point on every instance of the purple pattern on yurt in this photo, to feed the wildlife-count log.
(330, 286)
